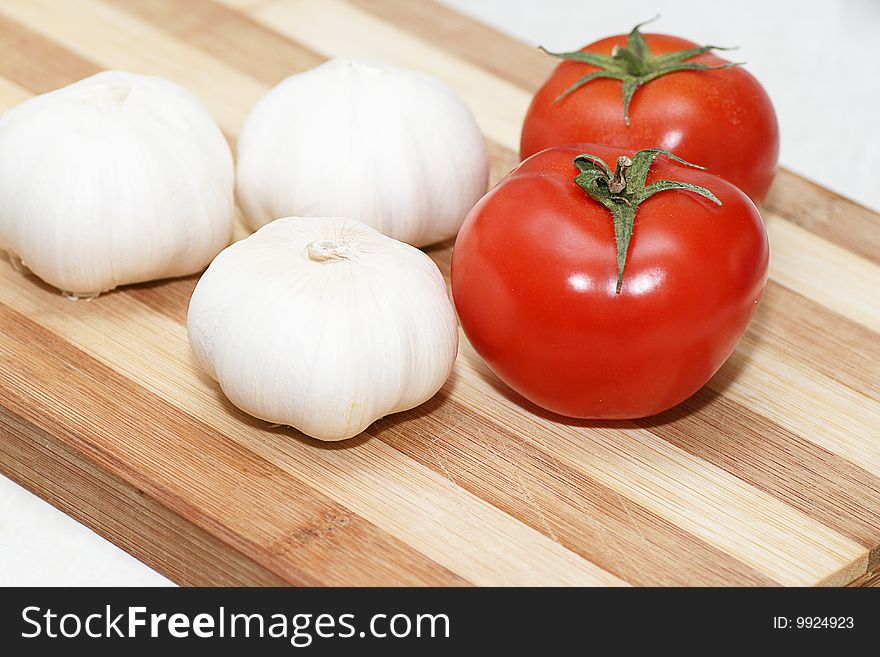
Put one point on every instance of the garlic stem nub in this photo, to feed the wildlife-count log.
(329, 250)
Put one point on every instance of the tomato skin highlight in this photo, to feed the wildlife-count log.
(720, 119)
(534, 273)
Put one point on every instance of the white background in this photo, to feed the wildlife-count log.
(819, 63)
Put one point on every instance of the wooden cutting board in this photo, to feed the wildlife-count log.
(769, 475)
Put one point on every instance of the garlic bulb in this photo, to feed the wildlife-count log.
(393, 148)
(323, 324)
(118, 178)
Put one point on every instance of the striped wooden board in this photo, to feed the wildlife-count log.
(769, 475)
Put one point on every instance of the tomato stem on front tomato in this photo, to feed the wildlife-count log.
(624, 190)
(634, 65)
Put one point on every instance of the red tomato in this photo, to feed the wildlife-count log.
(534, 279)
(721, 119)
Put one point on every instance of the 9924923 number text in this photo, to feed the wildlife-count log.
(814, 622)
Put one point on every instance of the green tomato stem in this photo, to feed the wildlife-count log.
(624, 190)
(634, 65)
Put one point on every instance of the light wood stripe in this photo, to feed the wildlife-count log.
(11, 94)
(819, 270)
(245, 5)
(374, 481)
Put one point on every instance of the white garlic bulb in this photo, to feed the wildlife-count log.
(323, 324)
(393, 148)
(118, 178)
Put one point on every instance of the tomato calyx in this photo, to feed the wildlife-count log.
(624, 190)
(634, 65)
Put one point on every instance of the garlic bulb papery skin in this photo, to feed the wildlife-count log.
(323, 324)
(118, 178)
(393, 148)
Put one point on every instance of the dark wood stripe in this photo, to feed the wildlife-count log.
(867, 580)
(826, 214)
(803, 331)
(527, 483)
(227, 35)
(35, 63)
(169, 297)
(471, 41)
(163, 540)
(290, 530)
